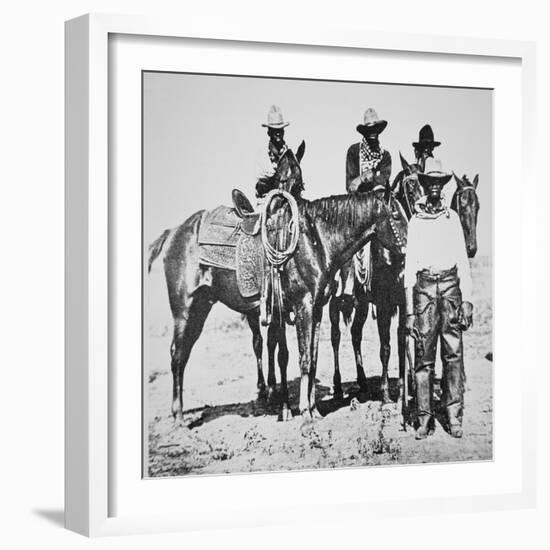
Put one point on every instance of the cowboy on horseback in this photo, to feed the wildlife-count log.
(267, 163)
(405, 185)
(368, 165)
(438, 290)
(424, 147)
(368, 168)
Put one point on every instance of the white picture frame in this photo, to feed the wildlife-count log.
(91, 464)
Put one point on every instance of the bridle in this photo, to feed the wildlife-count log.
(293, 179)
(405, 186)
(458, 193)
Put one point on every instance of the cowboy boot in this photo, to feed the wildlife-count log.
(424, 426)
(454, 416)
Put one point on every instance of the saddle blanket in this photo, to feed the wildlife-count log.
(218, 237)
(224, 244)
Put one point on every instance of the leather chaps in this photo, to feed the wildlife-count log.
(437, 299)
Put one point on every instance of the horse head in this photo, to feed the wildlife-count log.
(287, 175)
(406, 186)
(465, 203)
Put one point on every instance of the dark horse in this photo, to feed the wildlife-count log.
(386, 294)
(188, 302)
(331, 230)
(465, 203)
(387, 290)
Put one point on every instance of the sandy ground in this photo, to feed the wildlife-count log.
(228, 429)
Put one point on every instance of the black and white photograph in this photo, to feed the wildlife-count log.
(317, 274)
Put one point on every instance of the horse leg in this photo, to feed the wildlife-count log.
(334, 315)
(383, 320)
(257, 343)
(282, 357)
(361, 313)
(272, 340)
(304, 332)
(313, 368)
(402, 349)
(187, 329)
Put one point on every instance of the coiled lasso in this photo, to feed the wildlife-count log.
(276, 257)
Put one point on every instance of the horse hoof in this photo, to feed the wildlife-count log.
(455, 430)
(315, 414)
(178, 421)
(270, 393)
(286, 414)
(262, 392)
(386, 400)
(354, 404)
(338, 395)
(308, 426)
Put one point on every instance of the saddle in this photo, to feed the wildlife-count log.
(250, 220)
(229, 238)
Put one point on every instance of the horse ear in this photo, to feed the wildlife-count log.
(476, 181)
(459, 182)
(406, 166)
(300, 152)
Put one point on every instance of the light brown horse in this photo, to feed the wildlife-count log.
(288, 176)
(331, 230)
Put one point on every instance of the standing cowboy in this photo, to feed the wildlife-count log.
(438, 289)
(267, 162)
(424, 147)
(367, 164)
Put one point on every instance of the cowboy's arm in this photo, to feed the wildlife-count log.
(411, 267)
(262, 188)
(264, 169)
(383, 171)
(353, 178)
(464, 275)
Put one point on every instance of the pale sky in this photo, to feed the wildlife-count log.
(202, 135)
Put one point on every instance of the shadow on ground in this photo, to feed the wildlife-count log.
(326, 403)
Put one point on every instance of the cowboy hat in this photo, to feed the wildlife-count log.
(371, 123)
(275, 118)
(426, 138)
(433, 173)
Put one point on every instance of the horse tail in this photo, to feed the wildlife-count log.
(156, 248)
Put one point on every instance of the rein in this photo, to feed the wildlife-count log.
(406, 193)
(274, 256)
(277, 258)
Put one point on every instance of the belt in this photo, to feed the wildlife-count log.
(437, 275)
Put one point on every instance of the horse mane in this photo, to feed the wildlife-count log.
(340, 210)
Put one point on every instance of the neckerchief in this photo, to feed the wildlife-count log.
(425, 210)
(368, 159)
(274, 155)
